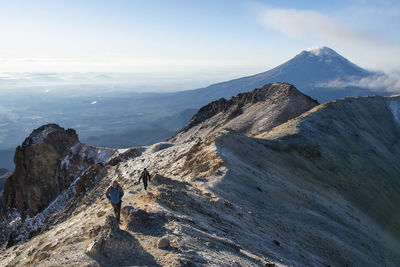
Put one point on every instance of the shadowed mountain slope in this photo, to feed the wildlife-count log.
(321, 189)
(351, 146)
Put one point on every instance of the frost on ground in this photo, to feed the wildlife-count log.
(77, 162)
(302, 194)
(86, 154)
(38, 137)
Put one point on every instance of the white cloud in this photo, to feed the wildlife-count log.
(379, 82)
(357, 30)
(296, 23)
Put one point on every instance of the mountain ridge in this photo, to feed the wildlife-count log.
(249, 113)
(221, 105)
(319, 189)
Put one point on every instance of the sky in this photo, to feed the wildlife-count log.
(222, 39)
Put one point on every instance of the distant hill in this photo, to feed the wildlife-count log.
(6, 158)
(4, 174)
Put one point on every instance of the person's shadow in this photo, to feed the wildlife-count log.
(120, 248)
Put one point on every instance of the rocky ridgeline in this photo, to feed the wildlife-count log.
(250, 113)
(321, 189)
(261, 94)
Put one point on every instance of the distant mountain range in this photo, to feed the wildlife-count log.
(126, 119)
(4, 174)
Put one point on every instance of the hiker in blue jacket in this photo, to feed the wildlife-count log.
(114, 194)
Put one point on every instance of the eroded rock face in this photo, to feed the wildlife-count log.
(37, 178)
(46, 164)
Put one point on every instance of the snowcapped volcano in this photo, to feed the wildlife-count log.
(315, 66)
(313, 71)
(322, 64)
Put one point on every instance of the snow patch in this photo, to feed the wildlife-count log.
(79, 159)
(25, 227)
(87, 154)
(159, 146)
(38, 137)
(322, 51)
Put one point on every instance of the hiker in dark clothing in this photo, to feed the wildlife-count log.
(146, 178)
(114, 194)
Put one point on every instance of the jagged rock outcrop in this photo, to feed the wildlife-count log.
(111, 244)
(249, 113)
(46, 163)
(38, 178)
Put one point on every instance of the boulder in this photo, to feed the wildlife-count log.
(111, 242)
(111, 224)
(126, 212)
(163, 242)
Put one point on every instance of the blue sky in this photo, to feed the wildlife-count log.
(227, 37)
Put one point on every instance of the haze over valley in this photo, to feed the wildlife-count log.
(121, 116)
